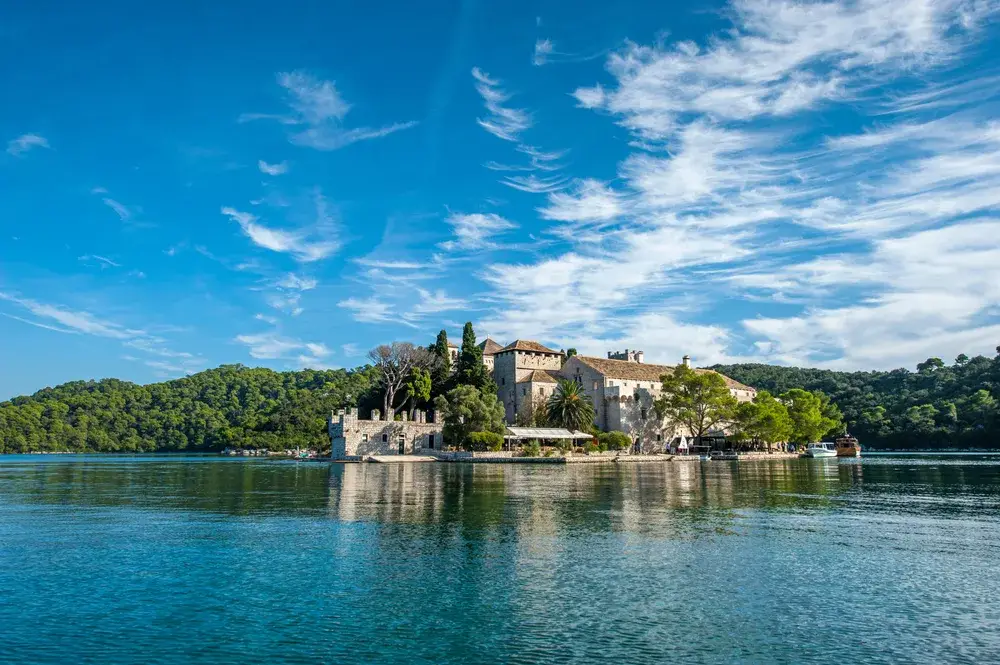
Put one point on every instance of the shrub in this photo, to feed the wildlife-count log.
(533, 449)
(617, 441)
(481, 441)
(591, 447)
(548, 452)
(564, 446)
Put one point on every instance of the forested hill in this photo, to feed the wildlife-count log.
(936, 406)
(232, 405)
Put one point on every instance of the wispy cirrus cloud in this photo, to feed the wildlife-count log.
(271, 345)
(26, 143)
(280, 168)
(504, 122)
(475, 231)
(81, 322)
(726, 189)
(312, 242)
(317, 110)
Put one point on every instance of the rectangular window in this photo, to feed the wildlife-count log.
(503, 381)
(364, 437)
(430, 441)
(642, 414)
(659, 437)
(385, 438)
(595, 385)
(524, 392)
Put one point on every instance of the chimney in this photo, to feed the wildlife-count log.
(639, 356)
(686, 360)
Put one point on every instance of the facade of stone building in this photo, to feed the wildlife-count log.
(623, 393)
(353, 438)
(514, 367)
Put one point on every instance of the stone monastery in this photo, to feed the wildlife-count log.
(622, 388)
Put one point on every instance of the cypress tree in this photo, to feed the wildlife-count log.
(442, 368)
(471, 370)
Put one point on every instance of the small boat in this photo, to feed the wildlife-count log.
(705, 458)
(727, 456)
(848, 446)
(820, 451)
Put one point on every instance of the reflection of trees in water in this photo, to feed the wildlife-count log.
(238, 487)
(673, 499)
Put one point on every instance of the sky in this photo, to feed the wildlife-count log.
(189, 184)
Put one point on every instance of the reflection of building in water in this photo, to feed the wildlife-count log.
(391, 492)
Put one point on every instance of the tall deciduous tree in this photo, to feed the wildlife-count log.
(466, 409)
(699, 400)
(570, 407)
(394, 363)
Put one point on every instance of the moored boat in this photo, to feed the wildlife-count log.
(820, 451)
(848, 446)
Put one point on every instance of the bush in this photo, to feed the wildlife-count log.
(591, 447)
(533, 449)
(616, 440)
(564, 446)
(482, 441)
(547, 453)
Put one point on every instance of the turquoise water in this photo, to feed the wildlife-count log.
(211, 560)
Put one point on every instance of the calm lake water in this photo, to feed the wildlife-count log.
(886, 559)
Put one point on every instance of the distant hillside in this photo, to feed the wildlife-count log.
(936, 406)
(232, 405)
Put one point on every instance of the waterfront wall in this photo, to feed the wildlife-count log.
(355, 438)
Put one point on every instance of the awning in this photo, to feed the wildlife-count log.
(519, 433)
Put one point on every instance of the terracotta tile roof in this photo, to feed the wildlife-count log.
(489, 347)
(543, 376)
(527, 345)
(623, 369)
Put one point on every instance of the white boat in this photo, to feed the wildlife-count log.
(820, 450)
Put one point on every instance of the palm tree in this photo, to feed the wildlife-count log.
(569, 407)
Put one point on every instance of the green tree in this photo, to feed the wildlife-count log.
(812, 419)
(698, 400)
(466, 409)
(418, 388)
(764, 421)
(442, 361)
(570, 407)
(471, 371)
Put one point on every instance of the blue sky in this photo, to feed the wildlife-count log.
(289, 184)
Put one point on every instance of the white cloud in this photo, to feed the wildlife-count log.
(272, 169)
(590, 201)
(312, 243)
(296, 282)
(25, 143)
(370, 310)
(475, 231)
(273, 346)
(543, 49)
(120, 209)
(101, 261)
(779, 58)
(503, 121)
(85, 323)
(319, 110)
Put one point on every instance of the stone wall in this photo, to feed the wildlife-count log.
(355, 438)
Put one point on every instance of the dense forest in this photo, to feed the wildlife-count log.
(936, 406)
(232, 405)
